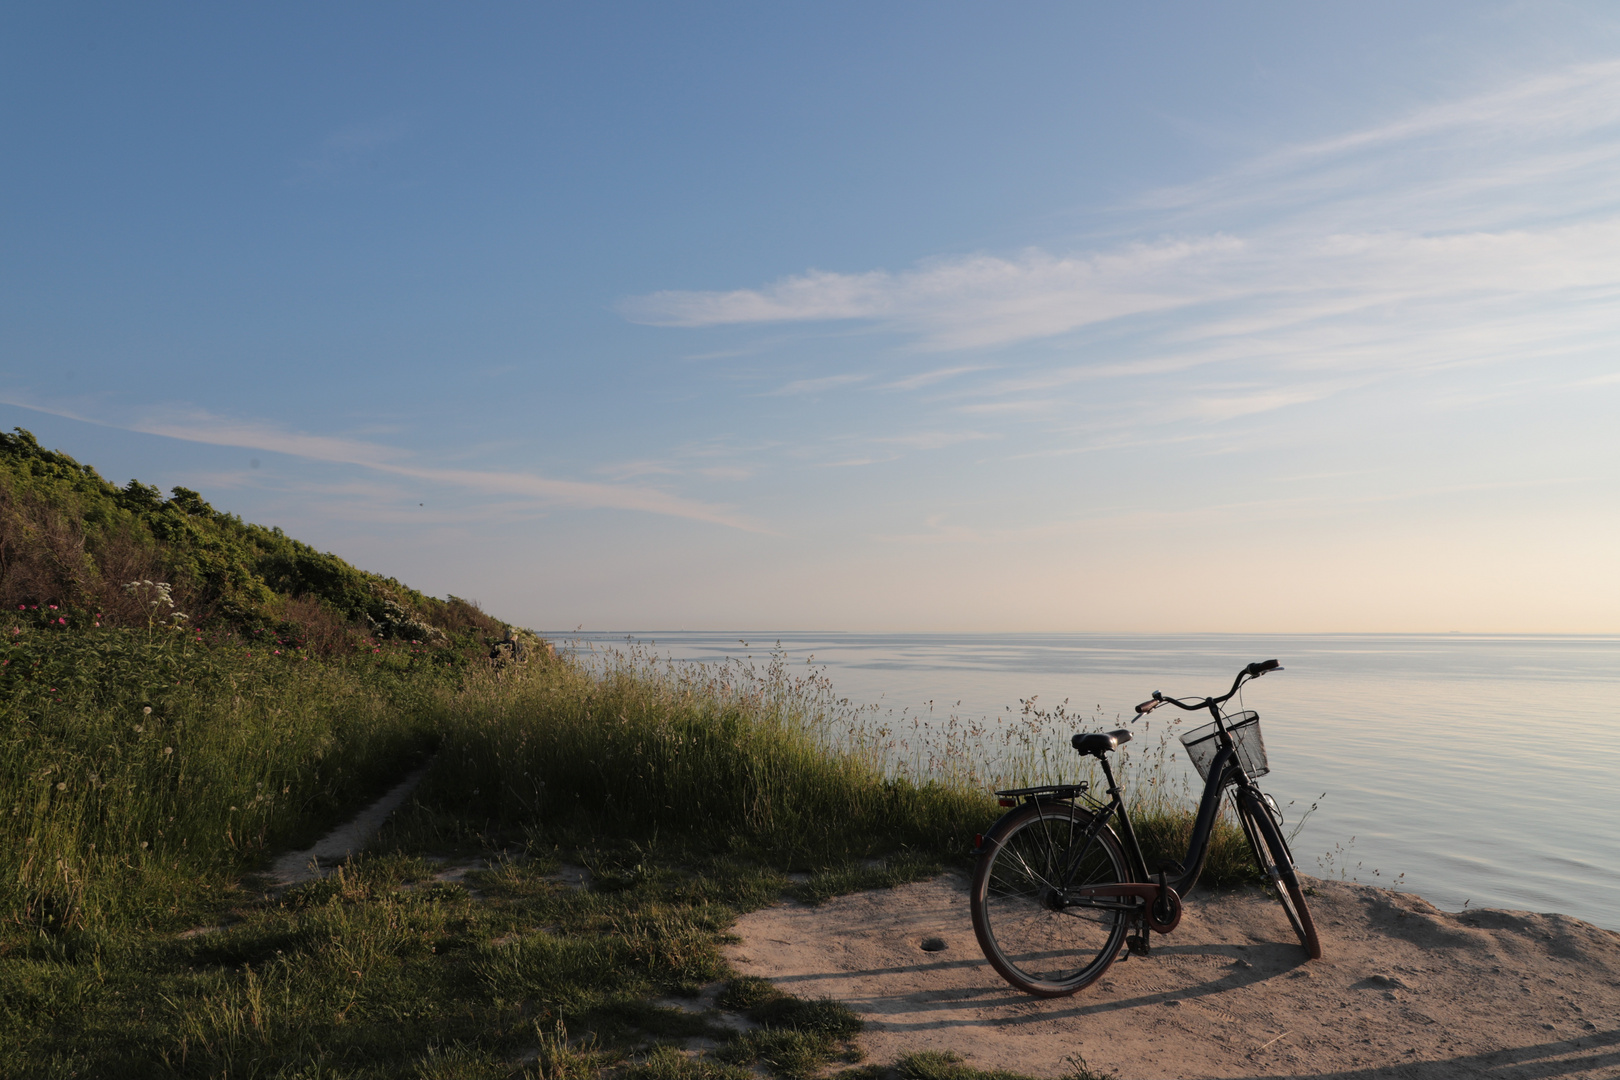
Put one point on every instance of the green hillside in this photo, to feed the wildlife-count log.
(71, 539)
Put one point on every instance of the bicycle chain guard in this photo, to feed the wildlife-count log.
(1161, 904)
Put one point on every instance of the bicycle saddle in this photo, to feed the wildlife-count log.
(1099, 742)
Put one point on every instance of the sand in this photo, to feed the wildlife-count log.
(1403, 989)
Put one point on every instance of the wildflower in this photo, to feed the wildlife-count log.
(143, 845)
(62, 621)
(139, 728)
(168, 750)
(53, 607)
(61, 785)
(147, 710)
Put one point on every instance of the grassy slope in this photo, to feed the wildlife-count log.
(150, 765)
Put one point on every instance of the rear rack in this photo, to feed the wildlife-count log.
(1056, 791)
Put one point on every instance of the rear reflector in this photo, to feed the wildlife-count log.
(978, 841)
(1008, 802)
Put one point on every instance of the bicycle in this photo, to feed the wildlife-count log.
(1056, 893)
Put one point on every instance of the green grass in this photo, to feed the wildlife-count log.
(690, 796)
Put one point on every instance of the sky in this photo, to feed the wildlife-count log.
(1254, 317)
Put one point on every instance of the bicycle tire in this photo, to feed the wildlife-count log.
(1276, 864)
(1039, 950)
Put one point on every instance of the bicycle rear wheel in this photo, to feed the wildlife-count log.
(1036, 944)
(1276, 863)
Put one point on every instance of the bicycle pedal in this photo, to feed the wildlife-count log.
(1138, 944)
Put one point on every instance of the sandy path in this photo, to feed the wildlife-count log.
(1404, 990)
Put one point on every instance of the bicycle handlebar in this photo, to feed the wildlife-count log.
(1250, 671)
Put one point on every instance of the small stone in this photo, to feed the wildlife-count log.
(933, 944)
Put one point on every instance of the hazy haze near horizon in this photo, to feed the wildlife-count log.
(916, 317)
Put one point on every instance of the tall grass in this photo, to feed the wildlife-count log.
(766, 759)
(142, 772)
(730, 755)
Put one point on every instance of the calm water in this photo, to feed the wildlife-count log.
(1483, 769)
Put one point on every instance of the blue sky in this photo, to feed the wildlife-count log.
(1252, 317)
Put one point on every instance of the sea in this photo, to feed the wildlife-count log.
(1474, 770)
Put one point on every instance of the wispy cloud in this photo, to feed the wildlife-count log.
(202, 427)
(973, 300)
(934, 440)
(818, 385)
(350, 148)
(1389, 248)
(929, 378)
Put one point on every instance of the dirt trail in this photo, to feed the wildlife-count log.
(1404, 990)
(347, 839)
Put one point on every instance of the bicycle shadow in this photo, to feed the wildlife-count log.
(1246, 965)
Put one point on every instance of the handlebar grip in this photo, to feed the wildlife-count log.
(1260, 667)
(1148, 706)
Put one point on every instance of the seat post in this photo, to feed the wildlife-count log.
(1108, 773)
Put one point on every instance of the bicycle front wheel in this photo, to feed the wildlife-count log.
(1276, 863)
(1029, 936)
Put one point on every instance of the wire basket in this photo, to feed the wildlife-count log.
(1204, 742)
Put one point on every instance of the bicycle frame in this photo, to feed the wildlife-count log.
(1225, 771)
